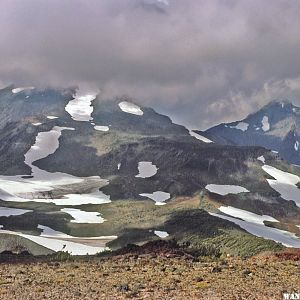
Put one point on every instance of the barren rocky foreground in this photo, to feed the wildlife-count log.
(146, 275)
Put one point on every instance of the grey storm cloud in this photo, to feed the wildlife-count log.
(200, 61)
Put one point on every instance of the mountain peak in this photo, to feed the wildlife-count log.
(275, 110)
(275, 126)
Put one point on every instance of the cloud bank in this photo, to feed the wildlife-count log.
(201, 61)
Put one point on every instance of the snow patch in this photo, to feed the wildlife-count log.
(159, 197)
(241, 126)
(97, 197)
(80, 108)
(225, 189)
(81, 216)
(296, 146)
(21, 89)
(36, 124)
(52, 117)
(146, 169)
(161, 234)
(119, 166)
(101, 128)
(262, 159)
(265, 123)
(130, 108)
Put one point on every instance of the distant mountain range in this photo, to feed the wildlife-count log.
(276, 126)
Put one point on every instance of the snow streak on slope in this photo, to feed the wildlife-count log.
(284, 183)
(286, 238)
(199, 137)
(46, 143)
(246, 215)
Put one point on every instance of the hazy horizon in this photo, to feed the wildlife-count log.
(201, 62)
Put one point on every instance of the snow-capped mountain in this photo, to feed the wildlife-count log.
(276, 126)
(83, 173)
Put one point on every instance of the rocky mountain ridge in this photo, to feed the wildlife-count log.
(75, 170)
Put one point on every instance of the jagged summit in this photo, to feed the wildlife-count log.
(270, 127)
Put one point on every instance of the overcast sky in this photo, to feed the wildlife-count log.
(202, 61)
